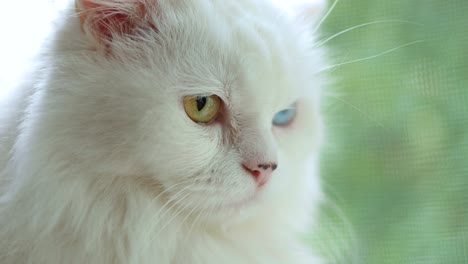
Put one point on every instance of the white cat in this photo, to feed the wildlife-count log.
(166, 131)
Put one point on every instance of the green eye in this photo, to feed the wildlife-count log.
(202, 109)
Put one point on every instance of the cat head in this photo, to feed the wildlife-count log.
(214, 103)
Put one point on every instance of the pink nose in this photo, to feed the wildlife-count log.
(261, 172)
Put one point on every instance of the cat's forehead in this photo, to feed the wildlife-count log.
(243, 49)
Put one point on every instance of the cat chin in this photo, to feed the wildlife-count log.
(244, 207)
(226, 212)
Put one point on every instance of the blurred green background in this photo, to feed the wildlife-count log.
(395, 165)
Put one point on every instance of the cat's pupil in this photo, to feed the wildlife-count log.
(201, 102)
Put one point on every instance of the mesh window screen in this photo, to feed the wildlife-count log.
(395, 168)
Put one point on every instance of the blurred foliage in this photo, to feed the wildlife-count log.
(395, 165)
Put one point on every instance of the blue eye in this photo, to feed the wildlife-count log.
(285, 117)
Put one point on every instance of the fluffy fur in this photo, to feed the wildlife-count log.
(100, 164)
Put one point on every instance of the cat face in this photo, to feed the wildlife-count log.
(215, 102)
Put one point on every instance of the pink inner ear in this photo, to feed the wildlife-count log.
(116, 18)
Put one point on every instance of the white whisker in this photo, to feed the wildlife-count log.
(195, 220)
(155, 235)
(173, 201)
(363, 25)
(163, 210)
(187, 216)
(371, 57)
(175, 215)
(190, 181)
(359, 110)
(325, 16)
(166, 190)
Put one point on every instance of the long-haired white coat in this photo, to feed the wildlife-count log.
(165, 131)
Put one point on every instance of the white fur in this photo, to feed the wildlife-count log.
(97, 144)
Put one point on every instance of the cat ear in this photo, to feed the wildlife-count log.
(105, 20)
